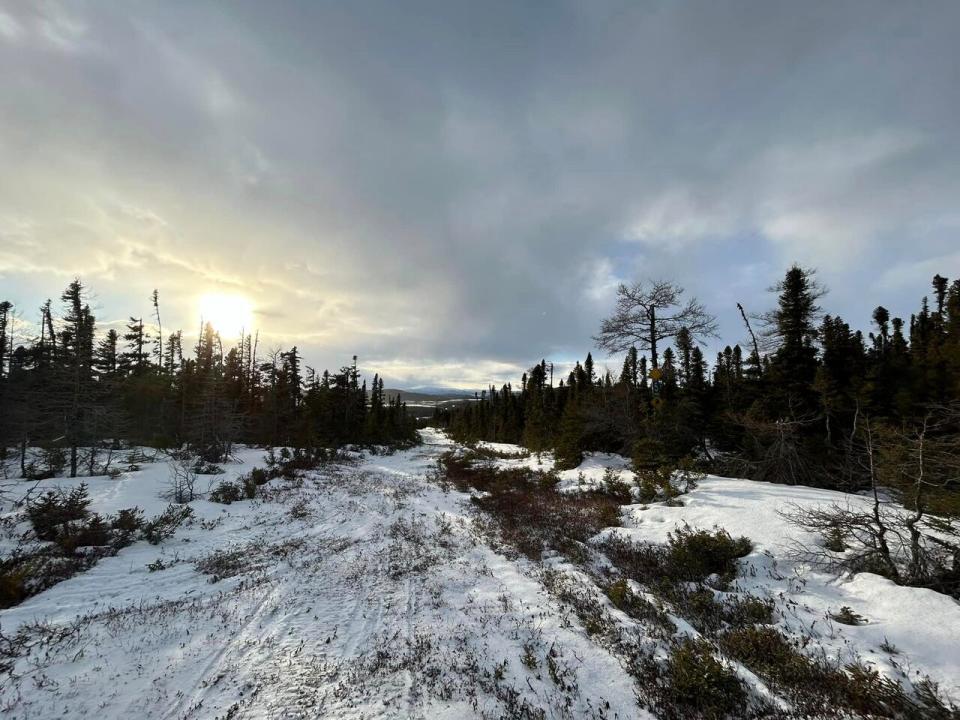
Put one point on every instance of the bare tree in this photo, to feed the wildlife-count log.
(753, 337)
(905, 542)
(648, 314)
(155, 298)
(183, 477)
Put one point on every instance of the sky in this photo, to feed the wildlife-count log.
(453, 190)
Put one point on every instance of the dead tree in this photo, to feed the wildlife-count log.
(649, 314)
(753, 337)
(903, 541)
(181, 487)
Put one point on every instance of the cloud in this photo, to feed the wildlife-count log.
(466, 192)
(10, 29)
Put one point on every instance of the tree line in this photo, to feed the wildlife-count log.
(793, 406)
(78, 394)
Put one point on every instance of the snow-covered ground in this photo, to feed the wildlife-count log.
(366, 591)
(922, 624)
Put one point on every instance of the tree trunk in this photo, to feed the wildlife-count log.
(653, 338)
(917, 570)
(882, 545)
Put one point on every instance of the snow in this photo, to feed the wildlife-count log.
(380, 601)
(924, 625)
(366, 591)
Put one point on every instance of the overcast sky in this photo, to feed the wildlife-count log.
(454, 190)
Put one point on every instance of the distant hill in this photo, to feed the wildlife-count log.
(422, 402)
(428, 395)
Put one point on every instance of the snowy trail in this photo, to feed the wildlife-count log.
(376, 598)
(367, 591)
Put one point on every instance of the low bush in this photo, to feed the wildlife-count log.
(696, 554)
(614, 487)
(689, 556)
(258, 476)
(846, 616)
(489, 453)
(207, 468)
(92, 531)
(128, 520)
(530, 514)
(637, 606)
(745, 611)
(818, 688)
(12, 584)
(769, 654)
(76, 540)
(166, 523)
(55, 508)
(227, 492)
(288, 463)
(51, 463)
(695, 684)
(249, 486)
(23, 575)
(665, 483)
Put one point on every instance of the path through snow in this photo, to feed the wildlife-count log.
(363, 593)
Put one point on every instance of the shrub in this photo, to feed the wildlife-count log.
(288, 463)
(696, 684)
(91, 531)
(166, 523)
(63, 519)
(649, 454)
(530, 514)
(637, 606)
(689, 556)
(259, 476)
(749, 611)
(56, 508)
(206, 468)
(768, 653)
(227, 492)
(249, 487)
(51, 464)
(183, 477)
(615, 488)
(489, 453)
(846, 616)
(128, 520)
(697, 554)
(12, 590)
(813, 684)
(531, 518)
(24, 575)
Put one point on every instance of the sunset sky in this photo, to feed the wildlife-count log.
(452, 191)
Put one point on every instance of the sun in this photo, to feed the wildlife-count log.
(229, 315)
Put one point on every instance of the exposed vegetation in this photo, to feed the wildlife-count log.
(693, 577)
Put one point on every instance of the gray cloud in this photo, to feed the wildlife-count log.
(453, 190)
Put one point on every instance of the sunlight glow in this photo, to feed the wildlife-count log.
(229, 314)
